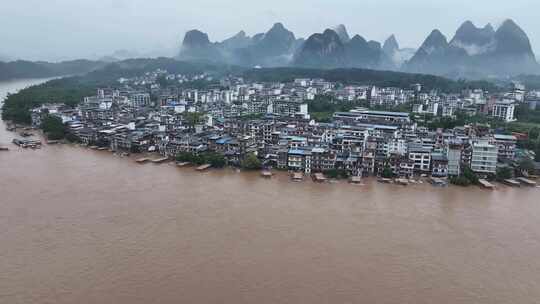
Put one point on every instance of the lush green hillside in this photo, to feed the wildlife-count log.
(28, 69)
(137, 67)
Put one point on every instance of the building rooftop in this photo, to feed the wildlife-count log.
(504, 137)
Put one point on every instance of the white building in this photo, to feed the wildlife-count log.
(505, 110)
(139, 100)
(484, 157)
(421, 156)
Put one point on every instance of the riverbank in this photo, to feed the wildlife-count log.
(36, 139)
(157, 159)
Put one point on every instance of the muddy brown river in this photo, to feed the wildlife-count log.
(83, 226)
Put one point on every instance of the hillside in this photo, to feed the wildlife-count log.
(368, 77)
(27, 69)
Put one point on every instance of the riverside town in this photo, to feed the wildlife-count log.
(308, 127)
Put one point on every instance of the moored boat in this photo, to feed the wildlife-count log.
(160, 160)
(297, 177)
(319, 178)
(204, 167)
(525, 181)
(512, 182)
(355, 180)
(384, 180)
(402, 181)
(484, 183)
(266, 173)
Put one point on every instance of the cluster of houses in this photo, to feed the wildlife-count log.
(272, 121)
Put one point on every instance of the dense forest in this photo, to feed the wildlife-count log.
(69, 90)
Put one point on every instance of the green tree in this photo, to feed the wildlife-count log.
(162, 81)
(251, 162)
(460, 181)
(337, 173)
(193, 118)
(534, 134)
(215, 159)
(526, 165)
(185, 157)
(387, 172)
(504, 173)
(470, 175)
(53, 127)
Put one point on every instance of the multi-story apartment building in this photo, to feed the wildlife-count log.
(421, 156)
(484, 157)
(506, 145)
(504, 109)
(453, 154)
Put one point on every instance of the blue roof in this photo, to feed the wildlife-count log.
(223, 141)
(298, 151)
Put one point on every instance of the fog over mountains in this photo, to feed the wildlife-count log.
(473, 52)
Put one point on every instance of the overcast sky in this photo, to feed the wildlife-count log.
(66, 29)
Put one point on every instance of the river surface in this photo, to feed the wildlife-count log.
(83, 226)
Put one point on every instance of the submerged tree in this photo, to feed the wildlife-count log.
(53, 127)
(251, 162)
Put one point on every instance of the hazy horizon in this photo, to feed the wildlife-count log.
(64, 30)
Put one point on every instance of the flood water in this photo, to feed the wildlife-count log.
(83, 226)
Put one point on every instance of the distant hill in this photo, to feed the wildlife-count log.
(368, 77)
(473, 53)
(28, 69)
(135, 67)
(273, 48)
(397, 55)
(477, 52)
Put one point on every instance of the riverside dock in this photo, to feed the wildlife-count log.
(266, 174)
(512, 183)
(297, 177)
(160, 160)
(384, 180)
(26, 143)
(355, 180)
(402, 181)
(203, 167)
(319, 178)
(525, 181)
(485, 184)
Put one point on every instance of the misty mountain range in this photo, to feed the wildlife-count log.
(473, 52)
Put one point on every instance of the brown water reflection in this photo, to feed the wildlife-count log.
(82, 226)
